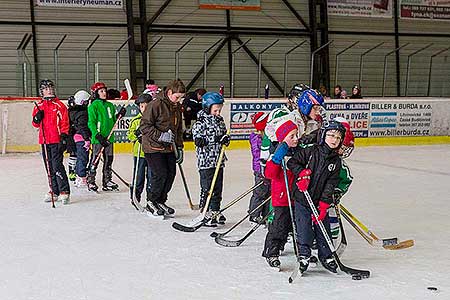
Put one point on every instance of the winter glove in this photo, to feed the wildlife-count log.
(121, 113)
(167, 137)
(200, 141)
(62, 143)
(138, 134)
(87, 145)
(337, 195)
(102, 140)
(38, 117)
(323, 209)
(280, 153)
(180, 155)
(303, 180)
(225, 140)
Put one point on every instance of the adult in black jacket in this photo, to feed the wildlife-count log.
(316, 168)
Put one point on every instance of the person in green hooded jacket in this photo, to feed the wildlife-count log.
(101, 120)
(135, 135)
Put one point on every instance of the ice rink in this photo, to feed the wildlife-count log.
(100, 248)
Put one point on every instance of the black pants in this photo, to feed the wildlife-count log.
(278, 231)
(163, 168)
(260, 194)
(58, 175)
(206, 177)
(108, 157)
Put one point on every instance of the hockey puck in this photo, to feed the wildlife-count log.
(432, 288)
(356, 277)
(213, 234)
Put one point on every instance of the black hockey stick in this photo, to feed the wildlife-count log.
(227, 243)
(183, 178)
(216, 234)
(47, 163)
(356, 273)
(192, 228)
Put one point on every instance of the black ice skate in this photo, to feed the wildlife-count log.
(168, 211)
(304, 263)
(273, 261)
(110, 186)
(329, 264)
(154, 209)
(92, 187)
(221, 219)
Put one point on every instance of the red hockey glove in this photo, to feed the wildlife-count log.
(303, 180)
(323, 210)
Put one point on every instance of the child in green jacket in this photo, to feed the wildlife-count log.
(101, 120)
(135, 136)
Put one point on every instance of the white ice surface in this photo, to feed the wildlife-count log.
(98, 247)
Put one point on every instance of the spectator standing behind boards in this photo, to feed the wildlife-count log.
(337, 92)
(151, 88)
(344, 94)
(192, 104)
(356, 92)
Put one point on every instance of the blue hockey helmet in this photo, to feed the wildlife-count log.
(331, 125)
(211, 98)
(308, 99)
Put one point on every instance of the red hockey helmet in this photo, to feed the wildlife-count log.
(96, 86)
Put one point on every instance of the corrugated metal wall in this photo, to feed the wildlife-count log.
(274, 14)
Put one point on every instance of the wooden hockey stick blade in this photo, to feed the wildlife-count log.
(401, 245)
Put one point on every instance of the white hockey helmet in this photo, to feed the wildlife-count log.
(81, 97)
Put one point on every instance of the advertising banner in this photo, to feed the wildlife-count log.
(231, 4)
(425, 9)
(240, 117)
(81, 3)
(361, 8)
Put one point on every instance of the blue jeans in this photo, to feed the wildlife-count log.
(307, 231)
(143, 173)
(82, 159)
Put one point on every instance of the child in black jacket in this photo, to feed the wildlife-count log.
(78, 116)
(316, 168)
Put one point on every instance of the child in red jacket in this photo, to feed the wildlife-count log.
(277, 234)
(50, 115)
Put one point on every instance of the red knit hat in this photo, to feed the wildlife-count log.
(284, 128)
(259, 120)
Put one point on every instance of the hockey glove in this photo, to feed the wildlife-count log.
(200, 141)
(167, 137)
(225, 140)
(121, 113)
(180, 156)
(62, 143)
(138, 134)
(323, 210)
(303, 180)
(102, 140)
(38, 117)
(280, 153)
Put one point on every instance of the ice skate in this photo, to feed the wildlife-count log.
(154, 210)
(304, 263)
(329, 264)
(64, 198)
(80, 182)
(48, 197)
(168, 211)
(273, 261)
(92, 187)
(110, 186)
